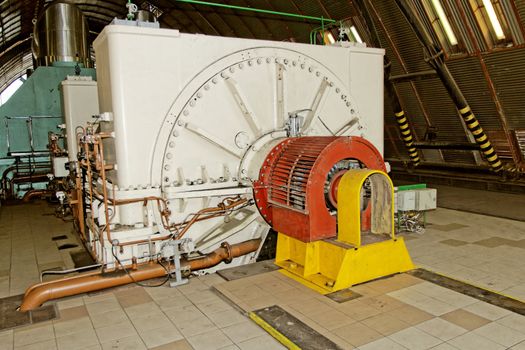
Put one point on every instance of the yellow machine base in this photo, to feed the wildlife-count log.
(328, 266)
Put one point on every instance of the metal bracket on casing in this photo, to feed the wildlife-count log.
(172, 250)
(295, 122)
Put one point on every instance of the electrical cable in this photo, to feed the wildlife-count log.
(168, 274)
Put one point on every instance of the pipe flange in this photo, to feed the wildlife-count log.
(228, 248)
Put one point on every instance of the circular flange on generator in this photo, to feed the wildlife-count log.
(222, 124)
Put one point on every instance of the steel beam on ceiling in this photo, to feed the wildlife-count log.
(251, 9)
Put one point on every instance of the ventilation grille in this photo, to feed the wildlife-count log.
(290, 171)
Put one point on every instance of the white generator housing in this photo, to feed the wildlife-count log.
(194, 116)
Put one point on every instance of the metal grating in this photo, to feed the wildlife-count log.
(401, 35)
(507, 69)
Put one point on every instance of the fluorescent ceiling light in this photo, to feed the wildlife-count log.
(444, 21)
(329, 38)
(494, 19)
(356, 34)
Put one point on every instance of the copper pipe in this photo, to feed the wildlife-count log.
(100, 149)
(39, 293)
(34, 193)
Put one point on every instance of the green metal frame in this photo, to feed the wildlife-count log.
(251, 9)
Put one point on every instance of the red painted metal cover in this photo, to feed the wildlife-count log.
(291, 192)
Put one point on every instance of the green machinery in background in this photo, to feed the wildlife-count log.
(35, 109)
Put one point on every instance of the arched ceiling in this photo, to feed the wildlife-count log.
(490, 79)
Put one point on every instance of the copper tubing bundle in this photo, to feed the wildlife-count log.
(39, 293)
(178, 229)
(29, 195)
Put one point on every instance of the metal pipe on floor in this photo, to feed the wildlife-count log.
(39, 293)
(34, 193)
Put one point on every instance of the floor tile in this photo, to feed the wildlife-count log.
(72, 326)
(520, 346)
(176, 345)
(184, 314)
(211, 340)
(465, 319)
(150, 322)
(142, 310)
(410, 315)
(73, 313)
(161, 336)
(441, 329)
(385, 324)
(129, 343)
(108, 318)
(433, 306)
(6, 340)
(514, 321)
(332, 320)
(66, 303)
(25, 336)
(415, 339)
(116, 331)
(102, 306)
(444, 346)
(487, 311)
(472, 341)
(214, 306)
(358, 310)
(133, 296)
(453, 242)
(45, 345)
(243, 331)
(78, 340)
(264, 342)
(196, 326)
(500, 334)
(357, 334)
(382, 344)
(227, 318)
(493, 242)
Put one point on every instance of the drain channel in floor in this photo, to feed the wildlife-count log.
(59, 238)
(10, 317)
(291, 331)
(487, 296)
(67, 246)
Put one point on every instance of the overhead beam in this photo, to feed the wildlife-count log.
(251, 9)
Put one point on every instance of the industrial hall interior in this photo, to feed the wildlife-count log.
(262, 174)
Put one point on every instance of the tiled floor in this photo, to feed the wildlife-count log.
(485, 251)
(401, 312)
(397, 313)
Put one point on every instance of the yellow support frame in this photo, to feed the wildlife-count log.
(331, 265)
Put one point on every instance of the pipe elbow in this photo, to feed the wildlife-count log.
(35, 296)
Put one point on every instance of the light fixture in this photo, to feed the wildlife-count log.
(328, 38)
(494, 19)
(356, 35)
(444, 21)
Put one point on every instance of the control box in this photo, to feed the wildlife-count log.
(416, 199)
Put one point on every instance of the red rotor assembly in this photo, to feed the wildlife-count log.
(297, 185)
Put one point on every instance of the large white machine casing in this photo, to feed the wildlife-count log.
(194, 116)
(80, 104)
